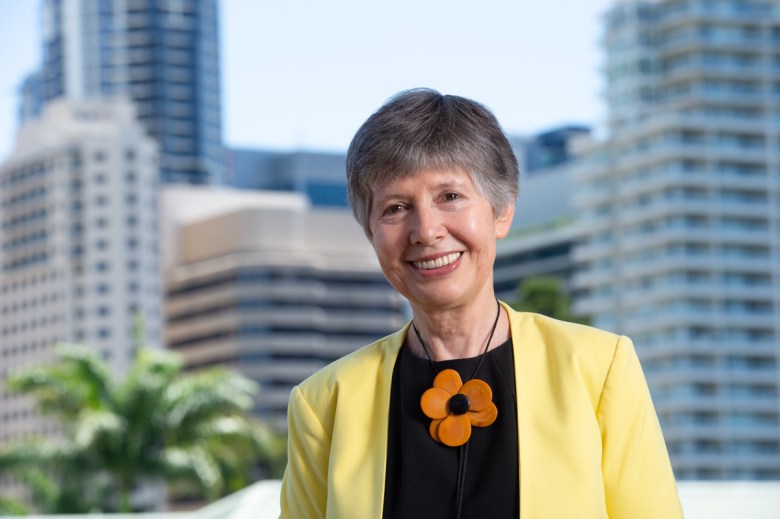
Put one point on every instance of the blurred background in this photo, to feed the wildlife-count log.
(172, 178)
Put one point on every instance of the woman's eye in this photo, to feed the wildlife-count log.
(451, 197)
(394, 209)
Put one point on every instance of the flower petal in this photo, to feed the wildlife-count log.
(483, 418)
(448, 380)
(434, 403)
(455, 430)
(479, 393)
(434, 430)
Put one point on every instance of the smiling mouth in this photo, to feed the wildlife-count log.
(438, 262)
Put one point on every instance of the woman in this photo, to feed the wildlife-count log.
(472, 409)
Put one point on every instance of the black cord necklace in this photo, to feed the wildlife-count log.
(482, 355)
(455, 407)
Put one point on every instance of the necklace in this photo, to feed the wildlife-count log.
(455, 407)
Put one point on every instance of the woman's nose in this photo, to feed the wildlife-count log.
(427, 226)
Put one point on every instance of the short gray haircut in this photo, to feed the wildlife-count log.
(421, 129)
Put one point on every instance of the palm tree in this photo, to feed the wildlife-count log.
(156, 424)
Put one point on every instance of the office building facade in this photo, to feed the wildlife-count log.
(681, 223)
(549, 149)
(270, 287)
(164, 55)
(79, 234)
(321, 176)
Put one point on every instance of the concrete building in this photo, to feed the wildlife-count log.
(262, 283)
(680, 209)
(164, 55)
(78, 228)
(543, 233)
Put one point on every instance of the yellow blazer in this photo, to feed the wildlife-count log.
(590, 446)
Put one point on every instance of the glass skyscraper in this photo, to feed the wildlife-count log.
(681, 213)
(162, 54)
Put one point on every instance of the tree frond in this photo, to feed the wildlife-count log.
(196, 464)
(94, 426)
(80, 379)
(36, 452)
(88, 367)
(207, 393)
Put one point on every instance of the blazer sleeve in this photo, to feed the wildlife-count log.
(638, 478)
(304, 485)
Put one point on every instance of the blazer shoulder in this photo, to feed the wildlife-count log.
(565, 345)
(564, 333)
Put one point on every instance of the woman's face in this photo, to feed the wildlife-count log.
(435, 238)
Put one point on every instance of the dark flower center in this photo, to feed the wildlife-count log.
(459, 404)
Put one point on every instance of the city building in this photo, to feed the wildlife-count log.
(681, 223)
(164, 55)
(79, 235)
(544, 151)
(543, 234)
(322, 176)
(264, 284)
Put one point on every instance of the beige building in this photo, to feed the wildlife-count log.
(262, 283)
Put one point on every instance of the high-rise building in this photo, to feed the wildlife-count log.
(264, 284)
(681, 214)
(164, 55)
(79, 235)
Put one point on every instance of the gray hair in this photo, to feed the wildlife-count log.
(421, 129)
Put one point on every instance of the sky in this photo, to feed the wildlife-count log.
(305, 74)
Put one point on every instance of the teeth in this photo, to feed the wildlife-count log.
(438, 262)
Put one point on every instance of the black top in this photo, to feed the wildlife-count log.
(421, 473)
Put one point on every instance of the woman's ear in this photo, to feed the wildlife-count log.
(504, 221)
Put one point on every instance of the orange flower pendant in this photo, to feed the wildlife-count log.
(456, 407)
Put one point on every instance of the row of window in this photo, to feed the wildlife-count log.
(25, 240)
(691, 278)
(274, 304)
(298, 333)
(275, 276)
(709, 389)
(710, 336)
(26, 261)
(25, 348)
(32, 195)
(26, 218)
(698, 363)
(722, 447)
(24, 174)
(730, 419)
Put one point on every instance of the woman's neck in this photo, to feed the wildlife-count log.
(458, 333)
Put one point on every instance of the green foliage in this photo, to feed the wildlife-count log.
(11, 507)
(545, 295)
(156, 423)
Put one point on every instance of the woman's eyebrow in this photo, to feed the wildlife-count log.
(379, 200)
(447, 184)
(450, 184)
